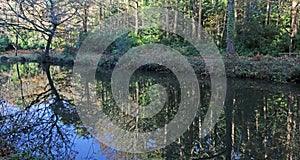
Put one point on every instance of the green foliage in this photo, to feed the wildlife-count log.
(150, 36)
(4, 43)
(256, 38)
(4, 67)
(29, 40)
(252, 35)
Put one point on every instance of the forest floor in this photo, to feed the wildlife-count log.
(279, 69)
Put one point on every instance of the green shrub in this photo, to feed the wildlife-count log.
(4, 43)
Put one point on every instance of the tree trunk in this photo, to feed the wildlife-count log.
(46, 68)
(136, 17)
(265, 109)
(17, 34)
(294, 23)
(235, 10)
(49, 41)
(267, 20)
(289, 129)
(230, 28)
(21, 86)
(176, 17)
(167, 27)
(200, 19)
(100, 15)
(85, 17)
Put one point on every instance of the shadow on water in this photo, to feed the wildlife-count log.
(38, 117)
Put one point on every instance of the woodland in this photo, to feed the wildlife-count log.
(39, 105)
(248, 30)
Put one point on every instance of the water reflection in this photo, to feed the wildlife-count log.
(38, 117)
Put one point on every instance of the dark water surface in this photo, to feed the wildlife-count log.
(39, 118)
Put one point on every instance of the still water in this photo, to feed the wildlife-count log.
(40, 118)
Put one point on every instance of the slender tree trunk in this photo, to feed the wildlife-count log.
(268, 12)
(230, 28)
(224, 28)
(100, 15)
(21, 86)
(235, 10)
(136, 17)
(289, 129)
(17, 34)
(200, 19)
(194, 29)
(85, 17)
(232, 129)
(176, 17)
(265, 108)
(17, 43)
(167, 27)
(294, 23)
(180, 149)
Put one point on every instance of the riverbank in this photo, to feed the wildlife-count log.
(278, 69)
(38, 58)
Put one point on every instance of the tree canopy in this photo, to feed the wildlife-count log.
(249, 27)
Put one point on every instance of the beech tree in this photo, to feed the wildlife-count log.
(230, 28)
(44, 16)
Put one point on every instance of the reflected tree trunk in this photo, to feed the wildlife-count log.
(166, 128)
(46, 68)
(233, 127)
(137, 92)
(289, 129)
(298, 104)
(180, 148)
(87, 91)
(21, 85)
(265, 109)
(228, 114)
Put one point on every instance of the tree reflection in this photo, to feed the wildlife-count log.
(39, 130)
(38, 117)
(260, 121)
